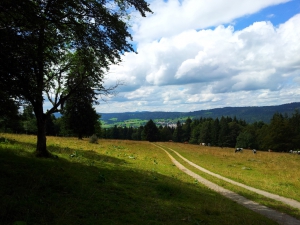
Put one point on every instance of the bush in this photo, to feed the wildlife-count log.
(94, 139)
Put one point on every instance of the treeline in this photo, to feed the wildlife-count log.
(71, 124)
(281, 134)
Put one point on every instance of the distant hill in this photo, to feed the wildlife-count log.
(249, 114)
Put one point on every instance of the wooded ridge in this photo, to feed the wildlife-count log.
(250, 114)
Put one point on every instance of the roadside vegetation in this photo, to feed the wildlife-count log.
(112, 182)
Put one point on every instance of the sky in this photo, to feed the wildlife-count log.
(198, 54)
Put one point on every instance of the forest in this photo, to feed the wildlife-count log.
(281, 134)
(250, 114)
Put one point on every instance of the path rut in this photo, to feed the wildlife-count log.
(277, 216)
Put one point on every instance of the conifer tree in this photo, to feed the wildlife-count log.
(150, 132)
(205, 132)
(178, 133)
(187, 129)
(215, 132)
(223, 132)
(79, 115)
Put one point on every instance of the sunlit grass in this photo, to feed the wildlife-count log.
(277, 173)
(281, 207)
(112, 182)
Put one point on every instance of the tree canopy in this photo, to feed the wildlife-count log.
(49, 47)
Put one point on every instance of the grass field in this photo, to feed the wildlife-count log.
(127, 123)
(276, 173)
(126, 182)
(135, 123)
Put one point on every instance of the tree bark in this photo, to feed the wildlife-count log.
(41, 147)
(41, 118)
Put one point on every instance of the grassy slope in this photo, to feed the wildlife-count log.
(113, 182)
(274, 172)
(271, 171)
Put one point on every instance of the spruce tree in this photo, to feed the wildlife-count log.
(178, 133)
(223, 132)
(150, 132)
(79, 115)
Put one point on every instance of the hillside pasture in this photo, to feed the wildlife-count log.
(128, 123)
(269, 172)
(274, 172)
(113, 182)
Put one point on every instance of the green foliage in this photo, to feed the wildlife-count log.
(165, 133)
(79, 115)
(245, 140)
(178, 133)
(9, 115)
(282, 134)
(223, 132)
(205, 132)
(187, 130)
(29, 120)
(150, 132)
(49, 48)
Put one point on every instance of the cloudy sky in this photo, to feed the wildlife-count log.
(199, 54)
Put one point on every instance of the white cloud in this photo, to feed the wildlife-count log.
(188, 69)
(173, 16)
(141, 93)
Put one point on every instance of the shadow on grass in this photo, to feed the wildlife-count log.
(86, 154)
(72, 153)
(48, 191)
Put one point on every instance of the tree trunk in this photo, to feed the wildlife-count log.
(41, 147)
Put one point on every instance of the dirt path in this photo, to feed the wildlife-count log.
(279, 217)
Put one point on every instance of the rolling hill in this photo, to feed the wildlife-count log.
(249, 114)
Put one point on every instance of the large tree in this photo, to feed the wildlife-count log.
(47, 44)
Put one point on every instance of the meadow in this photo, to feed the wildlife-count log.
(127, 182)
(138, 122)
(128, 123)
(277, 173)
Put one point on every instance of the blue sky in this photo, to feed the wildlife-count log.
(276, 14)
(199, 54)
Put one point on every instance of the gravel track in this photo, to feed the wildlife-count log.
(279, 217)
